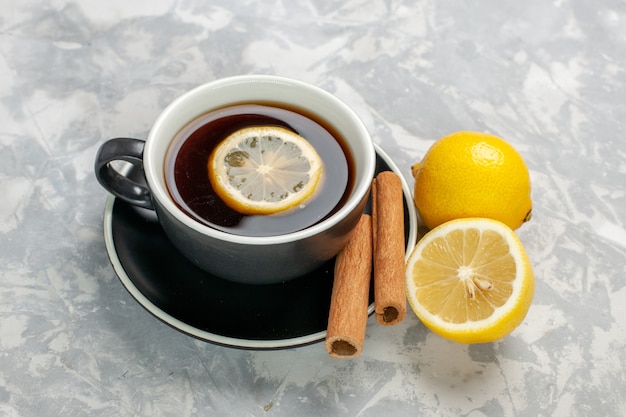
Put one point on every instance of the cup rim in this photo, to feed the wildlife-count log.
(156, 182)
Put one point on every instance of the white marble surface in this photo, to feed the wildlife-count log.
(550, 77)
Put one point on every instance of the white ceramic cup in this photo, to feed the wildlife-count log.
(247, 259)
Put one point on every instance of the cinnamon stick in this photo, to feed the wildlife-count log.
(389, 250)
(349, 302)
(373, 202)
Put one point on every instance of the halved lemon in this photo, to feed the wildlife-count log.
(264, 170)
(470, 280)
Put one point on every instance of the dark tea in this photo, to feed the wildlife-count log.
(188, 179)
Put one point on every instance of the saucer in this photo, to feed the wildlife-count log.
(275, 316)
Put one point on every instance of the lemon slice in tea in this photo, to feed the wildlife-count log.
(264, 170)
(470, 280)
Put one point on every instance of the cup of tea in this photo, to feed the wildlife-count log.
(243, 247)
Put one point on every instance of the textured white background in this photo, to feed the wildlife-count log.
(549, 77)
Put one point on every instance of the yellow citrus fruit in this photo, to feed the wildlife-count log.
(471, 174)
(470, 280)
(264, 170)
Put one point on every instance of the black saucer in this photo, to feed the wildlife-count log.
(288, 314)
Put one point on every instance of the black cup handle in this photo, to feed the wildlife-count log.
(132, 189)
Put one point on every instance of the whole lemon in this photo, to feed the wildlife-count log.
(472, 174)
